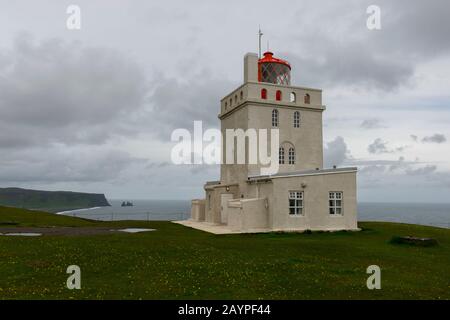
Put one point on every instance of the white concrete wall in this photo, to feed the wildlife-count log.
(316, 202)
(250, 67)
(251, 92)
(255, 214)
(235, 215)
(213, 201)
(248, 214)
(307, 139)
(233, 173)
(198, 210)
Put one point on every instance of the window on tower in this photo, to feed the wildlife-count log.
(292, 97)
(307, 99)
(281, 155)
(263, 94)
(278, 95)
(291, 156)
(274, 118)
(296, 119)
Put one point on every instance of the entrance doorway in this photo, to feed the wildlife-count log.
(224, 197)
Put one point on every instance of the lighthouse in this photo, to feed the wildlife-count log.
(302, 194)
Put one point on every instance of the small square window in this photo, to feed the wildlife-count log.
(296, 202)
(335, 203)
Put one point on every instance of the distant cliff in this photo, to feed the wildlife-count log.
(52, 201)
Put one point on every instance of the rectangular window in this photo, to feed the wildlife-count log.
(291, 156)
(296, 202)
(335, 200)
(296, 119)
(281, 156)
(275, 118)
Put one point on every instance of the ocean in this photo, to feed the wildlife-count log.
(432, 214)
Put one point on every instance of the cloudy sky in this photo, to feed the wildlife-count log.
(93, 109)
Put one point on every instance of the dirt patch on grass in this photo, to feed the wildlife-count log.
(61, 231)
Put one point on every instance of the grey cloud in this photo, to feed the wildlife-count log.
(422, 171)
(57, 92)
(436, 138)
(401, 163)
(335, 54)
(64, 166)
(414, 137)
(378, 147)
(401, 149)
(176, 104)
(157, 165)
(410, 167)
(416, 28)
(401, 172)
(351, 65)
(372, 170)
(336, 152)
(196, 169)
(55, 96)
(375, 162)
(372, 124)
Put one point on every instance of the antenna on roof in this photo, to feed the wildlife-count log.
(268, 45)
(260, 34)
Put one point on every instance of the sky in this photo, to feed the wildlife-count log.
(93, 109)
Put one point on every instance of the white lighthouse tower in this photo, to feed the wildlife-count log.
(302, 195)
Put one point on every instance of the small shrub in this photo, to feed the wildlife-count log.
(9, 223)
(414, 241)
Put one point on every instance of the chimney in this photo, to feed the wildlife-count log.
(250, 67)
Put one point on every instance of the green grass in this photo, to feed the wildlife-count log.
(176, 262)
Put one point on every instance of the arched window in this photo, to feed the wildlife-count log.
(263, 94)
(278, 95)
(292, 97)
(274, 118)
(291, 156)
(235, 98)
(242, 95)
(307, 99)
(281, 156)
(296, 119)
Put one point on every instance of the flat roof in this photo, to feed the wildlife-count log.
(212, 182)
(303, 173)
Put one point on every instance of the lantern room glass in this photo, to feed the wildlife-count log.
(276, 73)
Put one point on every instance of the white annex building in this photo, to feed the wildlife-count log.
(302, 195)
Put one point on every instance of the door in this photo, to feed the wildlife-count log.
(224, 197)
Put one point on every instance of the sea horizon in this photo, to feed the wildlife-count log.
(421, 213)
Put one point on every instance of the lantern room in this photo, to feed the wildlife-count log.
(274, 70)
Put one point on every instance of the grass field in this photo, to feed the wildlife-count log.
(176, 262)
